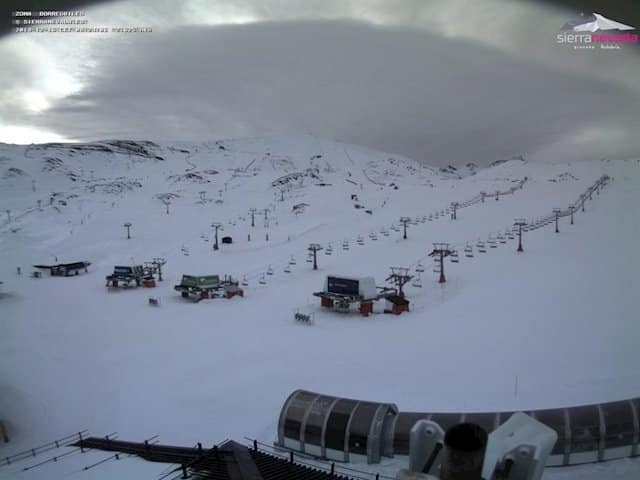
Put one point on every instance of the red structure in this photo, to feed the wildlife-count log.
(398, 304)
(233, 292)
(366, 308)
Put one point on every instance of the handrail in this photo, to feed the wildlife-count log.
(319, 464)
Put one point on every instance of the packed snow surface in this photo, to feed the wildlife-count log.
(556, 325)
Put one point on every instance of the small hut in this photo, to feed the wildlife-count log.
(396, 304)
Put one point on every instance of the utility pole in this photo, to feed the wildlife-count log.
(315, 248)
(557, 212)
(399, 277)
(128, 227)
(405, 221)
(520, 223)
(253, 211)
(217, 226)
(441, 250)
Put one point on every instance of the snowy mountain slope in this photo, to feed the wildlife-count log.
(560, 317)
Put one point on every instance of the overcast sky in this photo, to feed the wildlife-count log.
(441, 81)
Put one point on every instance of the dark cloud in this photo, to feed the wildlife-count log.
(434, 99)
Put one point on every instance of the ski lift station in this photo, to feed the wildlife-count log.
(65, 269)
(340, 292)
(208, 286)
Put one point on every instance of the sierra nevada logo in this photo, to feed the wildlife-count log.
(589, 31)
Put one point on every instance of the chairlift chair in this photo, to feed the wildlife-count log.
(468, 251)
(454, 257)
(420, 268)
(292, 261)
(287, 269)
(482, 247)
(245, 282)
(417, 282)
(262, 281)
(269, 270)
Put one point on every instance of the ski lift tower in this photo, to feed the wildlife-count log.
(127, 225)
(399, 277)
(454, 207)
(441, 250)
(405, 221)
(571, 209)
(314, 248)
(557, 211)
(158, 262)
(216, 226)
(520, 223)
(253, 211)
